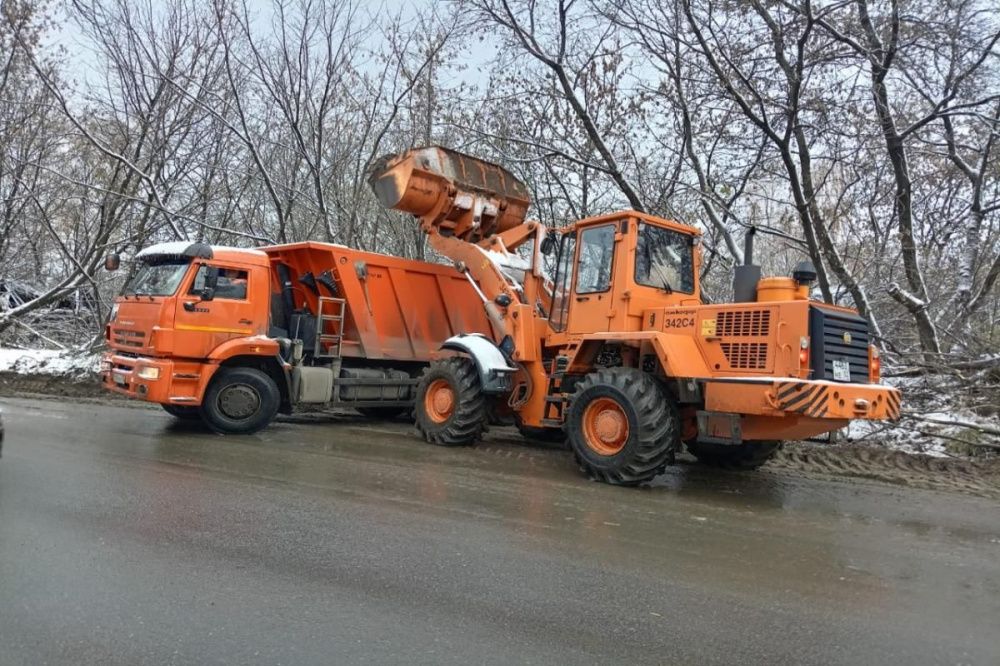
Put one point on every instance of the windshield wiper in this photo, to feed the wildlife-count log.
(666, 286)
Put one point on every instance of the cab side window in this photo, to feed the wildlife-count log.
(563, 280)
(232, 283)
(597, 248)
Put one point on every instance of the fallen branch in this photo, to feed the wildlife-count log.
(39, 333)
(956, 422)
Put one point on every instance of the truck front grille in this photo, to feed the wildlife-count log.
(127, 338)
(838, 336)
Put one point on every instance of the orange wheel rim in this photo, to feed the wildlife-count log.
(439, 401)
(605, 426)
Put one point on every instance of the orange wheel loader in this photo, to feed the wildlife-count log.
(614, 351)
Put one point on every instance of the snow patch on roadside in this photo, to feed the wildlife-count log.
(939, 420)
(61, 363)
(895, 438)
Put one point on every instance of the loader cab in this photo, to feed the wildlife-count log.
(610, 268)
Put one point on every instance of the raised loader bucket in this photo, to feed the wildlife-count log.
(461, 195)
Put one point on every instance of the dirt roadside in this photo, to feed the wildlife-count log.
(848, 461)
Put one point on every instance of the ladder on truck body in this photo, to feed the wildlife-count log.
(328, 344)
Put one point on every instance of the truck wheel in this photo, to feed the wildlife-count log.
(748, 455)
(451, 407)
(183, 412)
(240, 401)
(382, 413)
(623, 426)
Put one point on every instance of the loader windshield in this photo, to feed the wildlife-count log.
(157, 277)
(664, 259)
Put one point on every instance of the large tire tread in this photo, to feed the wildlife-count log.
(468, 422)
(656, 424)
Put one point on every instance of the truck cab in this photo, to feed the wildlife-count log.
(185, 304)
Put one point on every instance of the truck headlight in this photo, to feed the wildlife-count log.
(148, 372)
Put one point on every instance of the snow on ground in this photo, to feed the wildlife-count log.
(896, 437)
(939, 419)
(63, 363)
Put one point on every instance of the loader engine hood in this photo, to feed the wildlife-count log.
(801, 339)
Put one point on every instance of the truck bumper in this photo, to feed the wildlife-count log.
(787, 408)
(167, 381)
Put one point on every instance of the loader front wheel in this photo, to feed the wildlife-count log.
(240, 401)
(747, 456)
(451, 408)
(623, 426)
(183, 412)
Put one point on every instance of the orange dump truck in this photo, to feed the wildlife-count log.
(233, 336)
(615, 352)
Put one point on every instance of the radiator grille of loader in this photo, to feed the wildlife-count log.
(838, 336)
(744, 324)
(746, 355)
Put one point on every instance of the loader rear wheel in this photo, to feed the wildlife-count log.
(748, 455)
(183, 412)
(240, 401)
(623, 426)
(451, 408)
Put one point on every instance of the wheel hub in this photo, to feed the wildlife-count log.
(239, 401)
(439, 402)
(605, 426)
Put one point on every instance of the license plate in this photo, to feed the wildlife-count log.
(841, 370)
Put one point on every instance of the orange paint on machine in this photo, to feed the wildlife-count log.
(595, 333)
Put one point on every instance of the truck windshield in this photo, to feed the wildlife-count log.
(664, 259)
(157, 277)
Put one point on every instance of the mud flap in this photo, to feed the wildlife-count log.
(494, 371)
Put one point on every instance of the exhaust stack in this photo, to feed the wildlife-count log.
(746, 277)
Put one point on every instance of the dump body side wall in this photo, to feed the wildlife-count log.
(395, 309)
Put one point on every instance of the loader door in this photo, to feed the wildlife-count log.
(591, 298)
(565, 265)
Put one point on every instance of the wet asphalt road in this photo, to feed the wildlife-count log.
(126, 538)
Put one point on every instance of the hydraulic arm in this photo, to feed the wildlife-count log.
(473, 213)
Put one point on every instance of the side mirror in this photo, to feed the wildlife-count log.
(208, 293)
(112, 261)
(548, 245)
